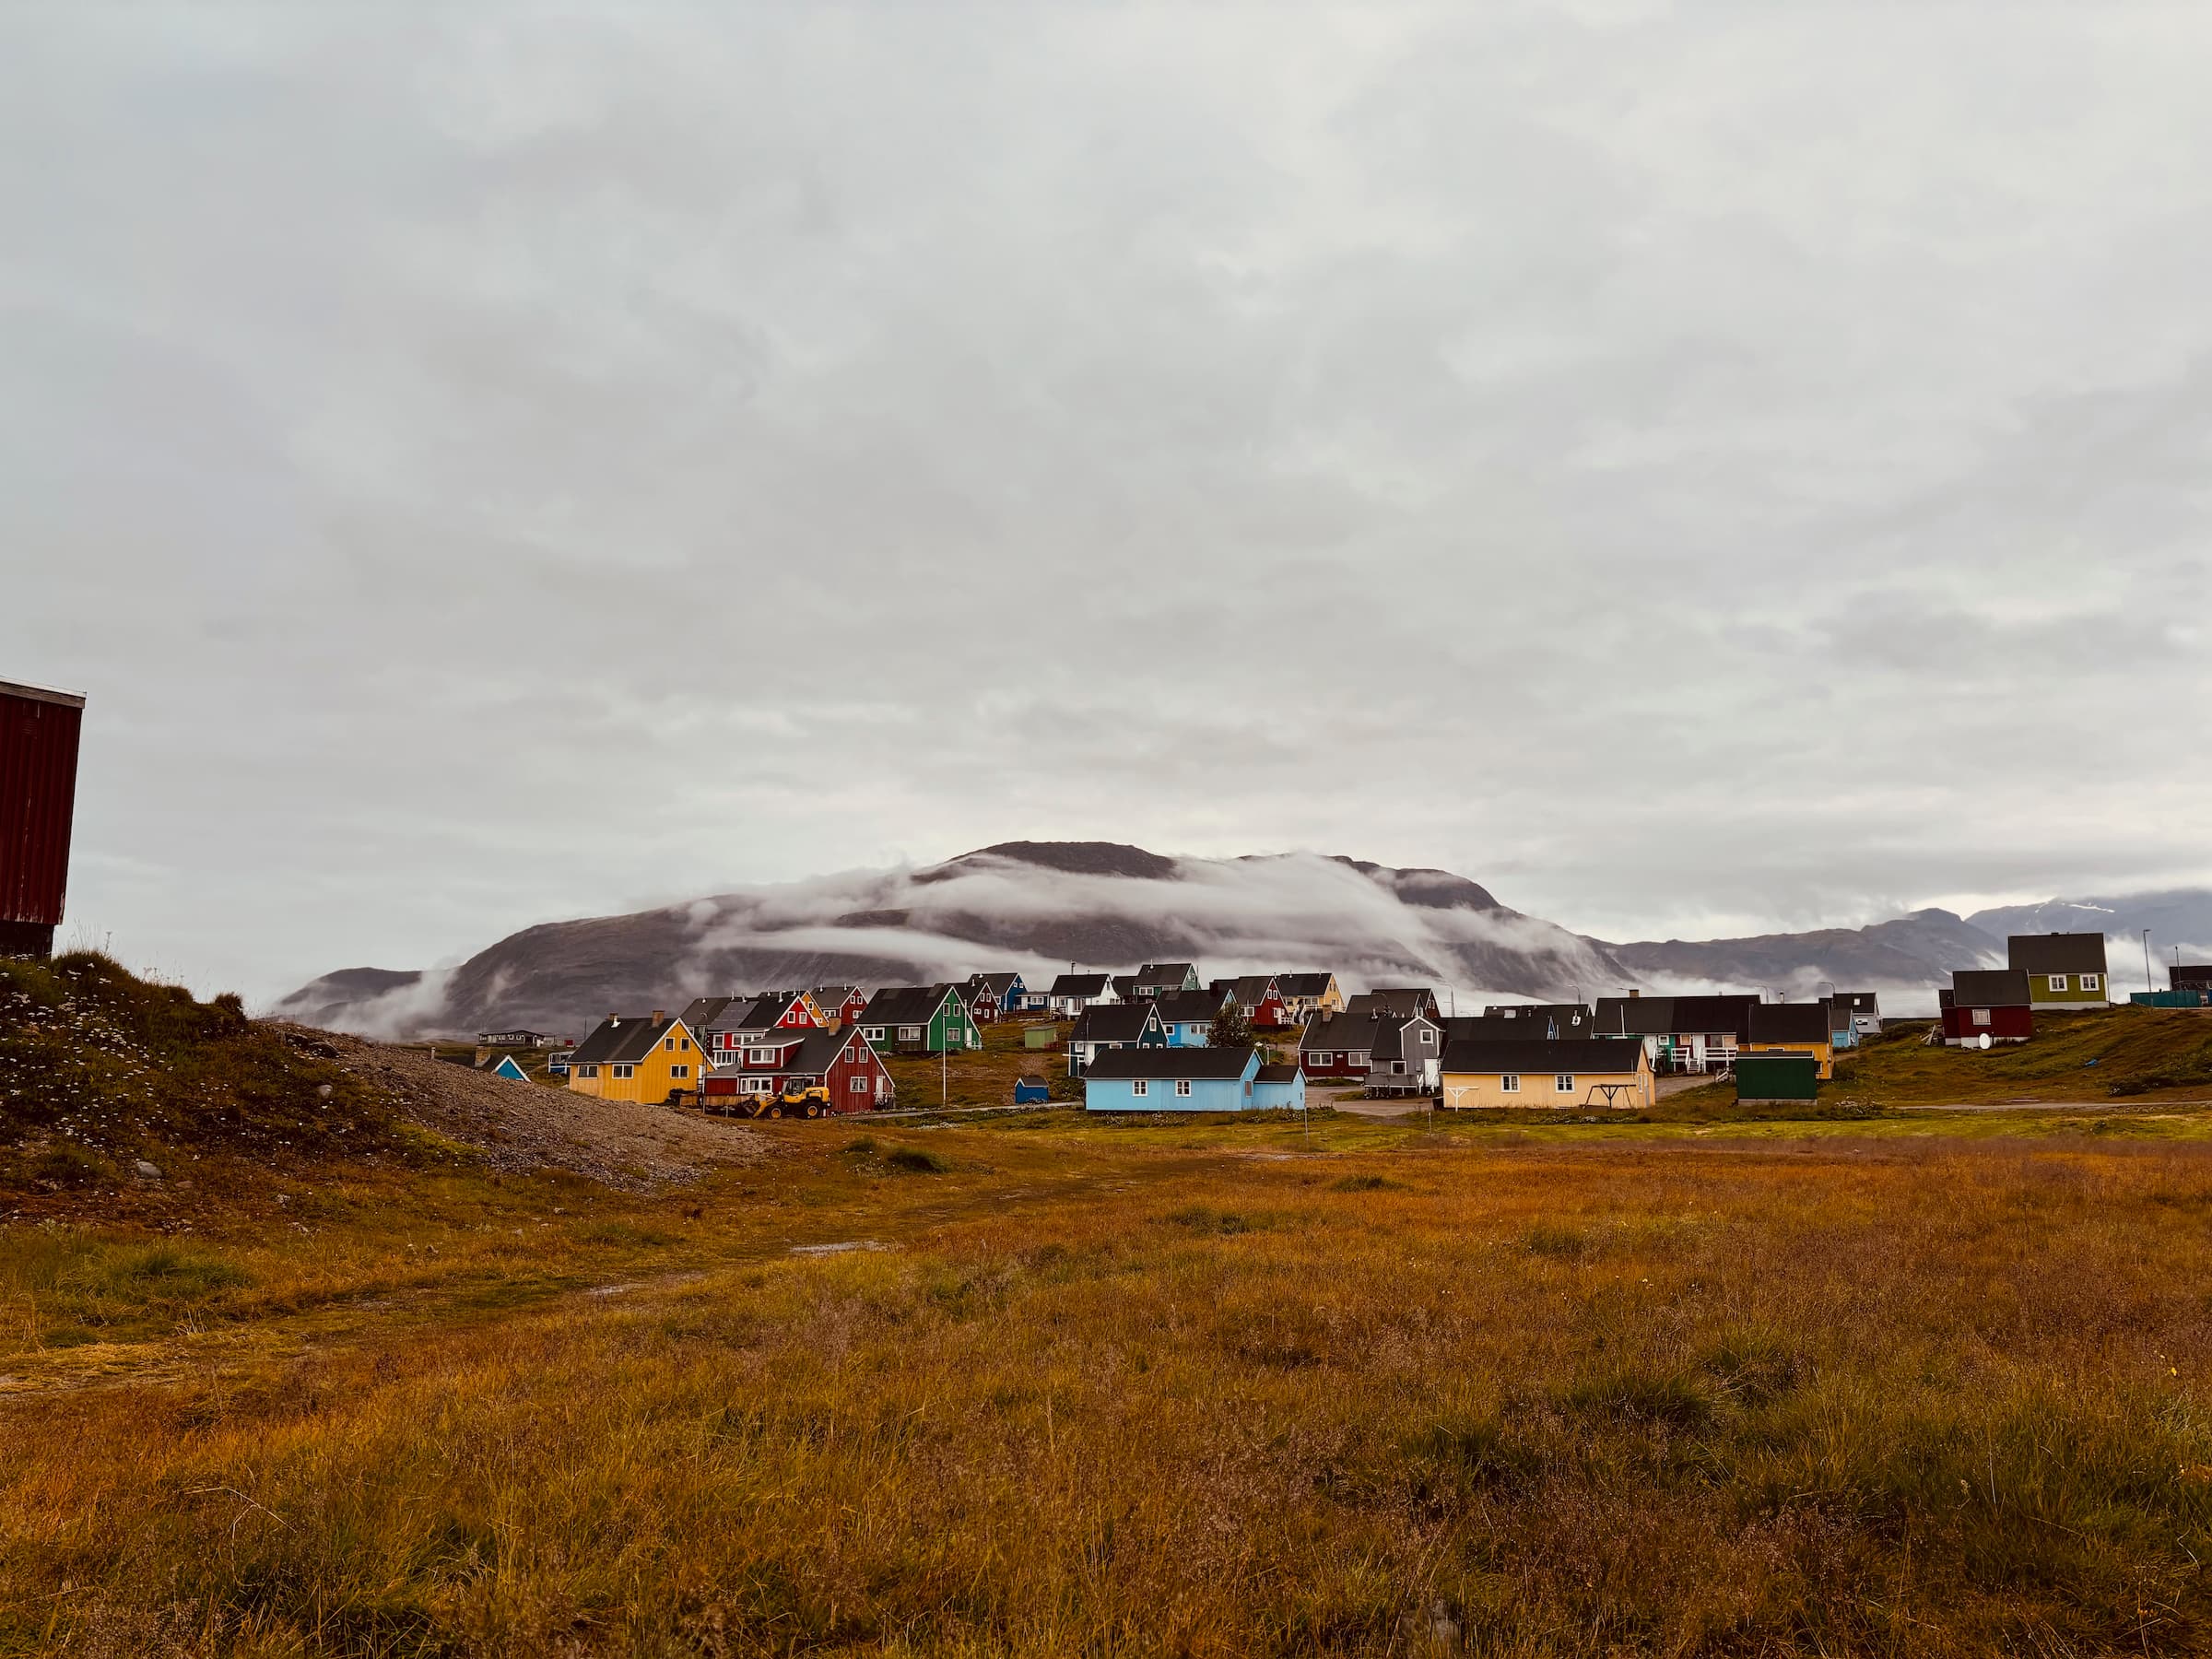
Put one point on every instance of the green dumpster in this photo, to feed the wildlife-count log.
(1766, 1079)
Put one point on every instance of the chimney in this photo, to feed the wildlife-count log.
(614, 1019)
(659, 1014)
(1633, 992)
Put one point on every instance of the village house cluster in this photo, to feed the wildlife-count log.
(1163, 1039)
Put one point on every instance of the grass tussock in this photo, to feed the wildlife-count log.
(1107, 1393)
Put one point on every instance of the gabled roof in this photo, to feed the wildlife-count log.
(2056, 953)
(904, 1004)
(1674, 1015)
(1124, 986)
(703, 1012)
(998, 985)
(1597, 1054)
(1252, 989)
(1635, 1016)
(1080, 984)
(1277, 1073)
(1987, 988)
(1791, 1022)
(1327, 1033)
(1574, 1020)
(1167, 974)
(821, 1050)
(1390, 1037)
(1113, 1023)
(1395, 999)
(827, 997)
(1490, 1027)
(1858, 1002)
(1304, 984)
(754, 1014)
(1210, 1065)
(623, 1040)
(1188, 1007)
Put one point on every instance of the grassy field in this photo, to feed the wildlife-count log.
(1043, 1384)
(986, 1076)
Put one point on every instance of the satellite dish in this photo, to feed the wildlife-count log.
(1985, 1039)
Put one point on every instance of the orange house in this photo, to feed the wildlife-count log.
(631, 1057)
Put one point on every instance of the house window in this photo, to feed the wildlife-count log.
(2058, 981)
(858, 1085)
(1321, 1059)
(679, 1071)
(1509, 1083)
(1357, 1057)
(625, 1071)
(1182, 1085)
(1140, 1086)
(587, 1071)
(1427, 1038)
(875, 1033)
(1397, 1068)
(2092, 981)
(910, 1033)
(1981, 1015)
(758, 1084)
(1563, 1083)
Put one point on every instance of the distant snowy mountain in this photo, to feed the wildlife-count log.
(2179, 917)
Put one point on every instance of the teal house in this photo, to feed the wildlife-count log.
(1170, 1079)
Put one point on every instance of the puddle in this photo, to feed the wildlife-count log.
(823, 1249)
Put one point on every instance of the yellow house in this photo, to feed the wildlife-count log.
(1573, 1074)
(1792, 1028)
(631, 1057)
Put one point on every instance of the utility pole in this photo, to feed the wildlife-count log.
(2148, 989)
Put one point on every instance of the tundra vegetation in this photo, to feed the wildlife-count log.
(1039, 1384)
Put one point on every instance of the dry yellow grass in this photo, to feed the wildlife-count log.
(1198, 1388)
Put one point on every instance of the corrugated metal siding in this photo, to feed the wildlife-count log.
(38, 805)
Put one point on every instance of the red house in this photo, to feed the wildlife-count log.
(1340, 1046)
(839, 1005)
(842, 1061)
(39, 732)
(770, 1023)
(1992, 1002)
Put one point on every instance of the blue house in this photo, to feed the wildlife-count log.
(1113, 1025)
(1189, 1015)
(1279, 1087)
(1031, 1091)
(505, 1067)
(1170, 1079)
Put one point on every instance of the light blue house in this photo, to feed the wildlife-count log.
(505, 1067)
(1170, 1079)
(1189, 1016)
(1280, 1087)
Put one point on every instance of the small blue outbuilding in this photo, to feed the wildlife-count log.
(1279, 1087)
(1031, 1091)
(1170, 1079)
(506, 1067)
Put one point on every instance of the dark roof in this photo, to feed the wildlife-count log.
(1574, 1018)
(2056, 953)
(1188, 1007)
(1568, 1054)
(1124, 986)
(1277, 1073)
(838, 995)
(1166, 973)
(704, 1010)
(1390, 1037)
(1989, 988)
(622, 1041)
(1490, 1027)
(1398, 999)
(1669, 1016)
(1635, 1016)
(1328, 1032)
(754, 1014)
(1303, 984)
(903, 1004)
(819, 1052)
(2184, 974)
(1080, 984)
(1206, 1064)
(998, 985)
(1112, 1022)
(1858, 1002)
(1251, 989)
(1791, 1022)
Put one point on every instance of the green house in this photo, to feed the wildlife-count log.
(2066, 972)
(918, 1019)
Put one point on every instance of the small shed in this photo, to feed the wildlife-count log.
(1772, 1079)
(1039, 1037)
(1279, 1087)
(1031, 1091)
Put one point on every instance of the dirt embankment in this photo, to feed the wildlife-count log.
(522, 1126)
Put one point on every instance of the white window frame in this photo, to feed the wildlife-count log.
(2055, 981)
(910, 1033)
(1358, 1057)
(587, 1071)
(1981, 1016)
(1397, 1068)
(1427, 1038)
(1140, 1085)
(2092, 982)
(1182, 1087)
(679, 1071)
(621, 1072)
(1562, 1083)
(857, 1084)
(1324, 1059)
(1509, 1083)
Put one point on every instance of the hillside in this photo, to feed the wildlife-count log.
(1041, 906)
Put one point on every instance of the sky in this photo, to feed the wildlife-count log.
(1691, 469)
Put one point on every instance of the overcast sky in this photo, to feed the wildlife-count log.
(1691, 469)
